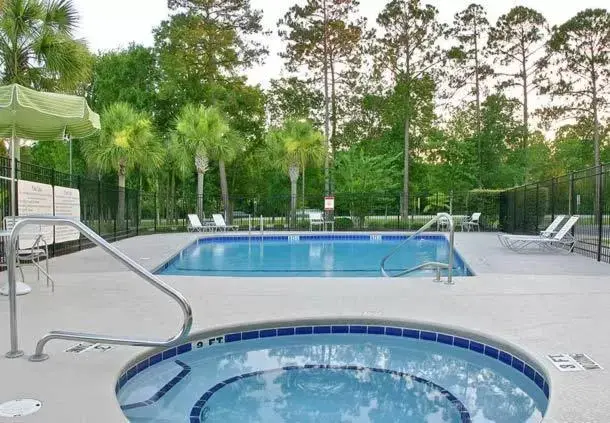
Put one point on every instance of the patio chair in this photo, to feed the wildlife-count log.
(220, 224)
(36, 249)
(551, 230)
(563, 238)
(442, 223)
(472, 222)
(317, 219)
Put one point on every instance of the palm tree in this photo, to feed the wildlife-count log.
(203, 133)
(126, 142)
(292, 148)
(38, 48)
(37, 45)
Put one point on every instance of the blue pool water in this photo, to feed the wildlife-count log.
(309, 255)
(333, 377)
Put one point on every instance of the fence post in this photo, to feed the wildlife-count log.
(514, 195)
(600, 198)
(157, 211)
(552, 199)
(78, 185)
(99, 206)
(571, 194)
(537, 209)
(524, 221)
(138, 210)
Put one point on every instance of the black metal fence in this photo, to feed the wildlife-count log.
(530, 208)
(166, 209)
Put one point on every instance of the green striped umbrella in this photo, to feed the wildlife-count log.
(42, 116)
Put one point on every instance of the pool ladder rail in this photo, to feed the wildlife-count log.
(430, 264)
(39, 355)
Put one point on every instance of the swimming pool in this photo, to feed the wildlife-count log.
(327, 255)
(335, 372)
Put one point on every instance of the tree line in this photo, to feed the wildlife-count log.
(407, 103)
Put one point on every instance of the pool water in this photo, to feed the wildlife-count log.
(310, 255)
(332, 378)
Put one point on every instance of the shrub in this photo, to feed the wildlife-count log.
(343, 224)
(487, 202)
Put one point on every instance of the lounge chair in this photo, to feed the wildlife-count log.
(317, 219)
(563, 238)
(194, 224)
(219, 223)
(551, 230)
(472, 222)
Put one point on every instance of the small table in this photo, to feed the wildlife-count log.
(20, 287)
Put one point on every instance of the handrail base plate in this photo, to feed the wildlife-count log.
(14, 354)
(38, 357)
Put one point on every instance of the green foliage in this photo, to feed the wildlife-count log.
(486, 202)
(579, 71)
(126, 142)
(292, 98)
(469, 69)
(38, 48)
(129, 76)
(359, 172)
(437, 203)
(296, 143)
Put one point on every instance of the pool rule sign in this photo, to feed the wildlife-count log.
(329, 203)
(67, 204)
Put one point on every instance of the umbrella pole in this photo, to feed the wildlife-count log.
(19, 288)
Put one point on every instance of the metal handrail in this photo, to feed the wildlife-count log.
(75, 336)
(430, 264)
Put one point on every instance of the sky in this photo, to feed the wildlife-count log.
(112, 24)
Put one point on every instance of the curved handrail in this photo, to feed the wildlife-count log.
(75, 336)
(449, 265)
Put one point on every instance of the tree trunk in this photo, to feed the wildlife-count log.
(200, 176)
(303, 182)
(477, 99)
(293, 173)
(596, 140)
(120, 217)
(224, 190)
(525, 113)
(405, 182)
(333, 99)
(327, 187)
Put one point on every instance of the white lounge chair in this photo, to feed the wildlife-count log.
(195, 225)
(563, 238)
(471, 223)
(220, 224)
(550, 231)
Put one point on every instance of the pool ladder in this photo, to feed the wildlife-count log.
(430, 264)
(39, 355)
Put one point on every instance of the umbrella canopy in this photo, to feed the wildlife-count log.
(42, 116)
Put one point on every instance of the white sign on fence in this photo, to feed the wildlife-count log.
(34, 199)
(329, 203)
(67, 204)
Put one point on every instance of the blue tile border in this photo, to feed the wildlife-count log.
(186, 369)
(489, 351)
(200, 406)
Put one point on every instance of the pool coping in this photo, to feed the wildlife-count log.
(135, 365)
(286, 235)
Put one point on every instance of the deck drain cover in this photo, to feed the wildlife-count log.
(19, 407)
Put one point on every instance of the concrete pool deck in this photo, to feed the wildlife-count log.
(544, 303)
